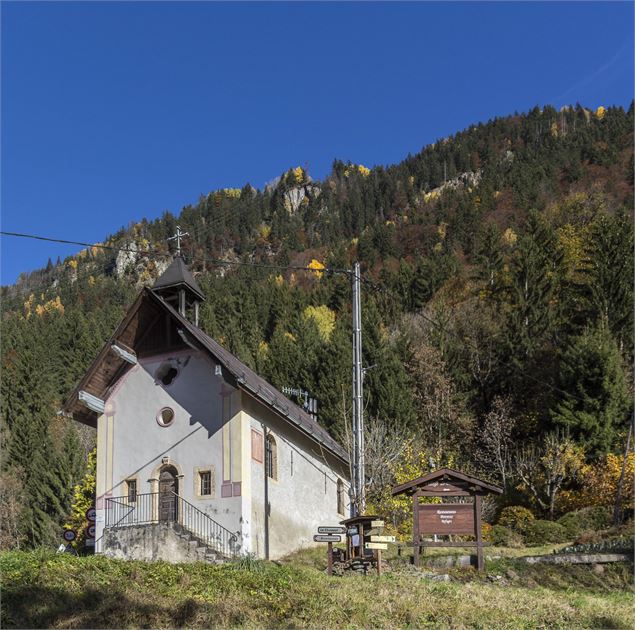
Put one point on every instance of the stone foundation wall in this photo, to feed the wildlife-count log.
(156, 541)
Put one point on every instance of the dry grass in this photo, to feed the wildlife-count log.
(41, 590)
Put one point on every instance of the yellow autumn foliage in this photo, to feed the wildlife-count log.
(442, 230)
(298, 174)
(51, 306)
(572, 244)
(600, 112)
(324, 319)
(554, 129)
(91, 281)
(510, 237)
(263, 348)
(431, 196)
(279, 280)
(598, 484)
(317, 266)
(233, 193)
(72, 263)
(28, 305)
(264, 231)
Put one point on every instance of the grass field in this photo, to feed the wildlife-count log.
(42, 590)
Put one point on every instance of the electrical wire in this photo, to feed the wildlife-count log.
(217, 261)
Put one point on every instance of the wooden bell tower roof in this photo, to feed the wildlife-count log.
(178, 276)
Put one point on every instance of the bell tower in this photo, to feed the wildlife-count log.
(177, 285)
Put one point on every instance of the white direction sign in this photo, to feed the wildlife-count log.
(377, 523)
(382, 539)
(375, 545)
(331, 530)
(327, 538)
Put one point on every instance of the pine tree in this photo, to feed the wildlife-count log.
(596, 403)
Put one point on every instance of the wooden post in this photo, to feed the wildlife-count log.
(415, 527)
(330, 559)
(379, 562)
(480, 564)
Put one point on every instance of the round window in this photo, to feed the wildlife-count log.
(165, 417)
(166, 373)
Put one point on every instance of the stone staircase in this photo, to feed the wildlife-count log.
(197, 547)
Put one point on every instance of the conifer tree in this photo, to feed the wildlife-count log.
(596, 403)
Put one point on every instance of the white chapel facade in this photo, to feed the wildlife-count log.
(188, 434)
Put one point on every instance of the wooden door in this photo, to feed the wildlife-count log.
(168, 489)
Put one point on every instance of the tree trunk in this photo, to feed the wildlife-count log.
(617, 510)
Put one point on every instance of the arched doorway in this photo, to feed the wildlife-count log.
(168, 492)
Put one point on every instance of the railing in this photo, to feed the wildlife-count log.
(207, 529)
(155, 508)
(122, 511)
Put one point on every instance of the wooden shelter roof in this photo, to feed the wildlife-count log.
(148, 308)
(446, 475)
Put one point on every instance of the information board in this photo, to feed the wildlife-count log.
(446, 518)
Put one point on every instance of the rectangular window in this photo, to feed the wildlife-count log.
(132, 490)
(205, 480)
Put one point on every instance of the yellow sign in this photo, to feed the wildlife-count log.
(383, 539)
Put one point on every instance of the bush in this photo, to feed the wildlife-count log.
(591, 519)
(504, 537)
(544, 532)
(516, 517)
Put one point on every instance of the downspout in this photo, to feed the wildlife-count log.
(266, 476)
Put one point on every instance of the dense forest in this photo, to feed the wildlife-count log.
(497, 313)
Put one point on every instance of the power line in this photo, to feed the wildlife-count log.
(229, 263)
(150, 253)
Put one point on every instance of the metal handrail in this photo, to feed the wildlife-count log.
(122, 512)
(204, 527)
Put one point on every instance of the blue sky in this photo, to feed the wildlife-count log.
(116, 111)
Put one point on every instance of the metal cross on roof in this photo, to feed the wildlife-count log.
(178, 237)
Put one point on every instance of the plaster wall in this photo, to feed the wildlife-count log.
(304, 495)
(206, 434)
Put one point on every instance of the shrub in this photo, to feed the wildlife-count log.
(516, 517)
(587, 519)
(504, 537)
(541, 532)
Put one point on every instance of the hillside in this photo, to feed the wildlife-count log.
(499, 269)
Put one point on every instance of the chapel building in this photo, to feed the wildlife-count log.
(198, 457)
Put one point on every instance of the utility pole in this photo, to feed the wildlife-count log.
(359, 481)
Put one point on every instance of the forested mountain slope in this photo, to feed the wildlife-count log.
(499, 302)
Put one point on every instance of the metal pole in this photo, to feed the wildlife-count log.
(358, 409)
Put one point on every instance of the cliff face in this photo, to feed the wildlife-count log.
(298, 195)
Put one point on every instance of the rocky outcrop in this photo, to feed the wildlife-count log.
(125, 258)
(294, 197)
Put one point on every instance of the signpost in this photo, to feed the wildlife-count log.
(376, 545)
(91, 514)
(331, 530)
(330, 538)
(69, 535)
